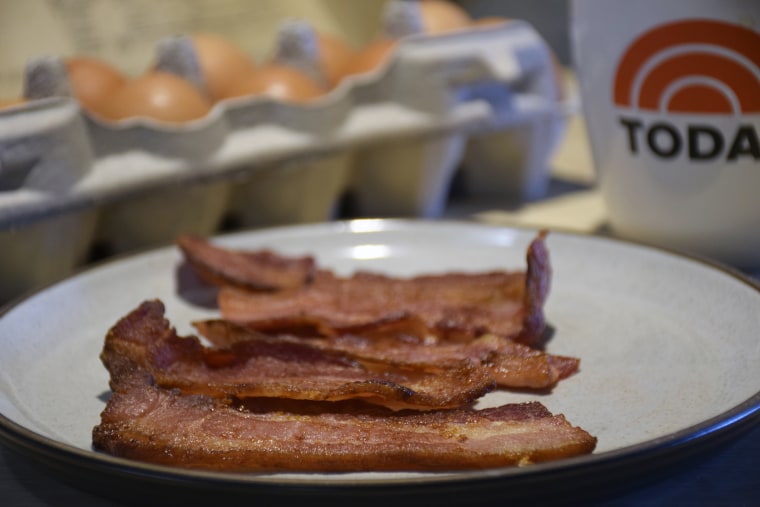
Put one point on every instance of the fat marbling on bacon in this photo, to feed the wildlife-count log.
(146, 422)
(461, 305)
(263, 366)
(408, 342)
(259, 270)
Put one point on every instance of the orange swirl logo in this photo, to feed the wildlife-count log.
(691, 67)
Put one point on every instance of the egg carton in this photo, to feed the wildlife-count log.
(391, 138)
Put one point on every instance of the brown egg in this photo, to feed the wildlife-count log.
(369, 58)
(334, 54)
(440, 16)
(158, 95)
(8, 103)
(91, 80)
(222, 63)
(279, 82)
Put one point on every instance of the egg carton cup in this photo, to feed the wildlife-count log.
(494, 157)
(36, 254)
(301, 192)
(409, 177)
(158, 218)
(392, 138)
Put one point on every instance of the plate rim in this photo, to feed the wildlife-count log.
(728, 423)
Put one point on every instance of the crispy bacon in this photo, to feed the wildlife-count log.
(264, 367)
(146, 422)
(538, 276)
(260, 270)
(406, 341)
(462, 305)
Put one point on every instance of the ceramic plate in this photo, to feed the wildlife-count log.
(669, 348)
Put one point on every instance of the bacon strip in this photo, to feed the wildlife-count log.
(260, 270)
(264, 367)
(462, 305)
(145, 422)
(408, 342)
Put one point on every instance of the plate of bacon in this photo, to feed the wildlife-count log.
(380, 359)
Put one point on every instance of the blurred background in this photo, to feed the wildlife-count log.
(127, 32)
(549, 17)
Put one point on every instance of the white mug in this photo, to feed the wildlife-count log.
(671, 98)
